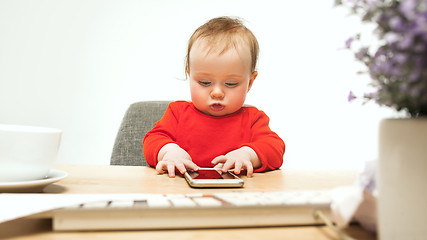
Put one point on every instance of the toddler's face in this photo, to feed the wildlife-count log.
(219, 82)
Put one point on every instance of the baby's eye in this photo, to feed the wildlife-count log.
(231, 84)
(205, 83)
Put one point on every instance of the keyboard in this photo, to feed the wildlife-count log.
(193, 211)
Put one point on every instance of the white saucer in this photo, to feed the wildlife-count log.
(33, 185)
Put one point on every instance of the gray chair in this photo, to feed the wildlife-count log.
(138, 120)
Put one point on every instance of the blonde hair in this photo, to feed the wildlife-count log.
(223, 33)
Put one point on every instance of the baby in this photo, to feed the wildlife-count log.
(214, 129)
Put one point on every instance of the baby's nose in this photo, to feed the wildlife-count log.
(217, 93)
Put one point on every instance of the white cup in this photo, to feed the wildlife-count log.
(27, 153)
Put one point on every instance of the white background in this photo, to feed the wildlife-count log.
(77, 65)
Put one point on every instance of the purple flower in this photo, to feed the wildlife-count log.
(363, 52)
(397, 24)
(400, 58)
(351, 96)
(392, 37)
(420, 23)
(406, 41)
(348, 42)
(407, 8)
(372, 95)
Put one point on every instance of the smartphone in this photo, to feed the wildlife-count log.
(211, 177)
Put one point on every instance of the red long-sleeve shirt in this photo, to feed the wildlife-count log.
(205, 137)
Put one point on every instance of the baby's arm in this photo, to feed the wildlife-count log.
(172, 156)
(242, 158)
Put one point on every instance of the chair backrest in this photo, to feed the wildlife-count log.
(138, 120)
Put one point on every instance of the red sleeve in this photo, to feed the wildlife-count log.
(162, 134)
(269, 147)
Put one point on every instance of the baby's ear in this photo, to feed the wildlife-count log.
(187, 70)
(252, 79)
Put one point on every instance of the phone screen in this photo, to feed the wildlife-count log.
(210, 174)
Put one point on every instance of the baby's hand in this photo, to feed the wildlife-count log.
(172, 156)
(242, 158)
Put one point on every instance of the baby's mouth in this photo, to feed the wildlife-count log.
(217, 107)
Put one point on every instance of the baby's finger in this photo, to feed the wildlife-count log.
(219, 166)
(181, 168)
(227, 166)
(171, 169)
(219, 159)
(191, 165)
(237, 167)
(249, 169)
(160, 166)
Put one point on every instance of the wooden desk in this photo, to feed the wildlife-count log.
(126, 179)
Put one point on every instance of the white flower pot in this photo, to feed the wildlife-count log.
(402, 179)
